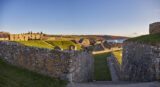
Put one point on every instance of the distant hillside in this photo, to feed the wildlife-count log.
(114, 37)
(91, 37)
(71, 37)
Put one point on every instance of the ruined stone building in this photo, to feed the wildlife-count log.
(84, 42)
(4, 35)
(21, 37)
(141, 59)
(154, 28)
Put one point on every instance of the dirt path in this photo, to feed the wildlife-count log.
(47, 43)
(106, 50)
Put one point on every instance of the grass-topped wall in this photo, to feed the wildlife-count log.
(36, 44)
(68, 65)
(64, 44)
(151, 39)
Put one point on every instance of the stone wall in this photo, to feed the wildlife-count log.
(21, 37)
(154, 28)
(84, 42)
(98, 47)
(73, 66)
(140, 62)
(25, 37)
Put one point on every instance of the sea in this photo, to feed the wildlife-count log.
(116, 41)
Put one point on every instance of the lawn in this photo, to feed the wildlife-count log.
(118, 55)
(11, 76)
(152, 39)
(36, 44)
(64, 44)
(102, 72)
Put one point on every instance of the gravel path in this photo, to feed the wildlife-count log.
(106, 50)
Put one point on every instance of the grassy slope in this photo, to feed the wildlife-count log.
(36, 44)
(153, 39)
(64, 44)
(11, 76)
(118, 55)
(102, 72)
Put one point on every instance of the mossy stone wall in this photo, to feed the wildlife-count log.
(73, 66)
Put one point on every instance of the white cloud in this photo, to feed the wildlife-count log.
(135, 34)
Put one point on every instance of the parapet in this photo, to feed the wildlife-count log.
(154, 28)
(73, 66)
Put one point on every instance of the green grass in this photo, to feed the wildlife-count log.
(118, 55)
(36, 44)
(152, 39)
(102, 72)
(64, 44)
(11, 76)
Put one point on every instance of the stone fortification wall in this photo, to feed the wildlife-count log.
(73, 66)
(98, 47)
(21, 37)
(154, 28)
(117, 65)
(25, 37)
(140, 62)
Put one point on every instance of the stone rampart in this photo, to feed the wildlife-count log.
(117, 65)
(73, 66)
(154, 28)
(140, 62)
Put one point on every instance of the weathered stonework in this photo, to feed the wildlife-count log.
(21, 37)
(154, 28)
(72, 47)
(73, 66)
(98, 47)
(140, 62)
(117, 65)
(57, 48)
(84, 42)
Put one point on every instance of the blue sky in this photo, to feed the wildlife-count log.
(110, 17)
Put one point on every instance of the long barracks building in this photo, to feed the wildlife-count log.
(21, 37)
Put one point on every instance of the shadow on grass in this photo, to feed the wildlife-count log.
(102, 72)
(11, 76)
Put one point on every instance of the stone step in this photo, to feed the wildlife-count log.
(115, 84)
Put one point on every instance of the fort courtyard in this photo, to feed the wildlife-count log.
(79, 43)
